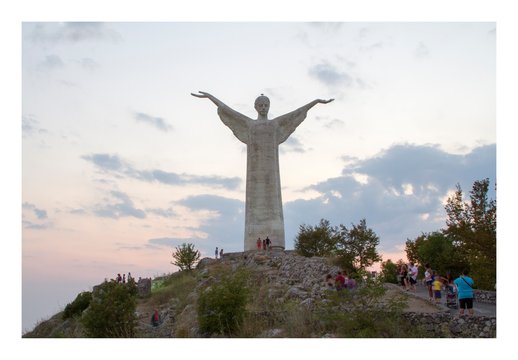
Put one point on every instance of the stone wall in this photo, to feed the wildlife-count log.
(446, 326)
(483, 296)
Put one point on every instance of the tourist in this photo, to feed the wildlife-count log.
(119, 278)
(216, 253)
(267, 243)
(465, 290)
(129, 276)
(155, 318)
(412, 276)
(404, 276)
(339, 281)
(259, 243)
(264, 244)
(428, 278)
(124, 278)
(437, 286)
(221, 254)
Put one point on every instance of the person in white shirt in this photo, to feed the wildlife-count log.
(412, 274)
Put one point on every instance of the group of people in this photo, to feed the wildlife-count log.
(407, 275)
(340, 282)
(218, 253)
(460, 289)
(122, 279)
(264, 244)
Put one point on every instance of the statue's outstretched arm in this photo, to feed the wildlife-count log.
(288, 122)
(237, 122)
(203, 94)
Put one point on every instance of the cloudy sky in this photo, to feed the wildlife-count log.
(120, 163)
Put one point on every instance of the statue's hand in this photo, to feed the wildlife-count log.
(324, 101)
(203, 94)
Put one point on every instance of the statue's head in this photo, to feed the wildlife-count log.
(262, 105)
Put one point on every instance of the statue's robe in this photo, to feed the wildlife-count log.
(263, 216)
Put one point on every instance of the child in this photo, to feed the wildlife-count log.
(437, 286)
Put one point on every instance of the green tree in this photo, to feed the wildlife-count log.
(437, 250)
(356, 247)
(389, 271)
(472, 227)
(112, 310)
(319, 240)
(185, 256)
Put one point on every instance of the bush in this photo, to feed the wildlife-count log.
(76, 307)
(366, 313)
(177, 285)
(112, 310)
(222, 307)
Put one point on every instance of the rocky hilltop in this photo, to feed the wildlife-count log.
(279, 277)
(288, 298)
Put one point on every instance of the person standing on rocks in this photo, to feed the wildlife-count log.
(268, 242)
(155, 318)
(221, 254)
(259, 243)
(216, 253)
(465, 290)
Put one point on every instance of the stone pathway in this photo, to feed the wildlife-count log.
(479, 308)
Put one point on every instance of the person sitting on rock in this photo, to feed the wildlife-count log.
(339, 281)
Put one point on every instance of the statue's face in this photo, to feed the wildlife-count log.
(262, 106)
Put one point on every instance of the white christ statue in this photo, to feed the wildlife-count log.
(263, 214)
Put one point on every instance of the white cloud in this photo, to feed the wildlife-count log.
(408, 189)
(157, 122)
(72, 32)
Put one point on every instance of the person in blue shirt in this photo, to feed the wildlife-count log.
(465, 290)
